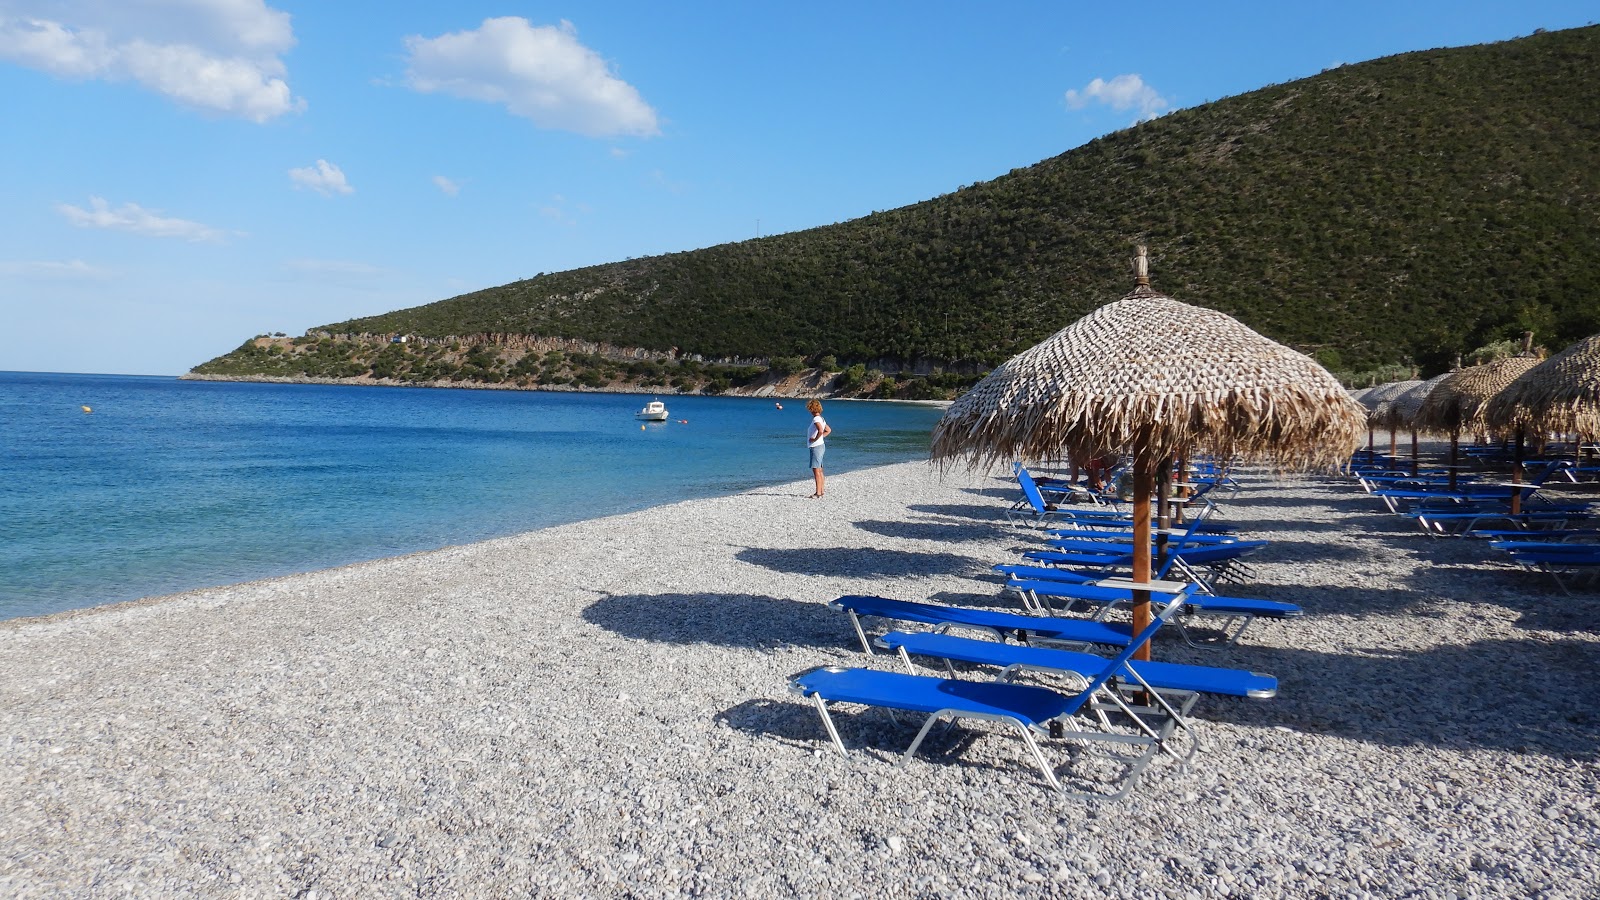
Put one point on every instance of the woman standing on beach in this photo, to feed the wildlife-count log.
(814, 440)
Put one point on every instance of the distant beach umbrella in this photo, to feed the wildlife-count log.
(1404, 409)
(1458, 403)
(1383, 407)
(1378, 402)
(1401, 412)
(1559, 395)
(1152, 376)
(1361, 398)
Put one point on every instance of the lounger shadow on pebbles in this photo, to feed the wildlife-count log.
(856, 562)
(934, 530)
(728, 620)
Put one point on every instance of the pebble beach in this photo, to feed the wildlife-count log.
(601, 710)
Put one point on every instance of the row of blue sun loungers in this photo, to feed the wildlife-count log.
(1555, 538)
(1472, 504)
(1126, 710)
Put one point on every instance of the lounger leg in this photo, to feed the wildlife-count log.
(1038, 757)
(855, 621)
(827, 722)
(926, 727)
(906, 658)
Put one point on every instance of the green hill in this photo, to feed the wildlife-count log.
(1402, 210)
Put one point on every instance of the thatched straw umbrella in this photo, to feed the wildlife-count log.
(1559, 395)
(1458, 403)
(1153, 376)
(1360, 396)
(1377, 401)
(1402, 411)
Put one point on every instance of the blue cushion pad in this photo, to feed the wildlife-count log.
(1204, 602)
(1027, 704)
(1111, 634)
(1160, 675)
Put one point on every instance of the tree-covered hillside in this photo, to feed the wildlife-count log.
(1405, 209)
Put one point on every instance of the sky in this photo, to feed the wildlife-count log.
(178, 176)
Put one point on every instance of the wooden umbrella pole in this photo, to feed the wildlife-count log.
(1143, 479)
(1455, 447)
(1516, 473)
(1414, 464)
(1183, 478)
(1163, 487)
(1392, 440)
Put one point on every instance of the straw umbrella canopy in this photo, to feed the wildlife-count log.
(1458, 403)
(1561, 394)
(1360, 396)
(1472, 389)
(1378, 402)
(1402, 411)
(1383, 409)
(1149, 374)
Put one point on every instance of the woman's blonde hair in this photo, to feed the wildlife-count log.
(814, 406)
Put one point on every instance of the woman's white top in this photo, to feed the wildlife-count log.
(818, 428)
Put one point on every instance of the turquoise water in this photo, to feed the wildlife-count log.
(170, 485)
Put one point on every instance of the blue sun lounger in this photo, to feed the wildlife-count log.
(1461, 520)
(1015, 658)
(1223, 561)
(1554, 558)
(1237, 612)
(1032, 710)
(1033, 509)
(1000, 624)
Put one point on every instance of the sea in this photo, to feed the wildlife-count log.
(116, 487)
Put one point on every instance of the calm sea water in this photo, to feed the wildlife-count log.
(169, 485)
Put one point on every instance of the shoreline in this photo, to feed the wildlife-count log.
(599, 708)
(799, 391)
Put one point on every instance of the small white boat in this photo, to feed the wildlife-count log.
(654, 411)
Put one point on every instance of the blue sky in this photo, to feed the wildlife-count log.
(180, 175)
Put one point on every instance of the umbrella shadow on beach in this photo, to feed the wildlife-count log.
(1269, 529)
(1007, 494)
(1539, 602)
(1471, 696)
(961, 511)
(1351, 502)
(1283, 550)
(728, 620)
(1355, 600)
(857, 562)
(934, 530)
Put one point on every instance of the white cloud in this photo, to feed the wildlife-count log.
(325, 178)
(540, 73)
(448, 186)
(135, 218)
(1123, 92)
(221, 56)
(42, 268)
